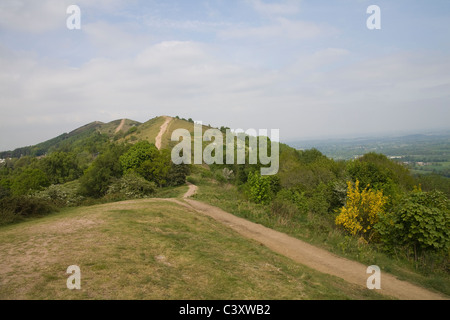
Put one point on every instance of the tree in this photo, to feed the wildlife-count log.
(310, 156)
(153, 164)
(362, 210)
(100, 174)
(156, 168)
(29, 180)
(177, 174)
(421, 223)
(61, 167)
(5, 187)
(137, 155)
(382, 174)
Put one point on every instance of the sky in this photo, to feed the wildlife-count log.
(310, 68)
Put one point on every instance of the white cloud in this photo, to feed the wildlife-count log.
(288, 7)
(167, 78)
(307, 63)
(279, 28)
(116, 40)
(36, 17)
(184, 78)
(32, 16)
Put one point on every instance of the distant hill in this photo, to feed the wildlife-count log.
(84, 132)
(434, 145)
(121, 130)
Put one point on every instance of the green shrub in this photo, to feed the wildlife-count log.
(14, 209)
(421, 222)
(5, 188)
(62, 195)
(259, 187)
(284, 210)
(8, 216)
(176, 176)
(219, 177)
(98, 177)
(191, 179)
(61, 167)
(131, 130)
(295, 197)
(319, 202)
(132, 185)
(206, 174)
(29, 180)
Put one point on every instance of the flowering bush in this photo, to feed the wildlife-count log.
(61, 195)
(361, 211)
(132, 185)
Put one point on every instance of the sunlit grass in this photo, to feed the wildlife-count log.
(149, 249)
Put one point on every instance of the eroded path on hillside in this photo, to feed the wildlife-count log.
(309, 255)
(120, 127)
(162, 130)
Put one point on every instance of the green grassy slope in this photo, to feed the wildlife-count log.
(151, 249)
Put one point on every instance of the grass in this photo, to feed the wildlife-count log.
(150, 249)
(149, 130)
(170, 192)
(317, 230)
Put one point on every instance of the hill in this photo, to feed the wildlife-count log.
(66, 139)
(121, 130)
(125, 159)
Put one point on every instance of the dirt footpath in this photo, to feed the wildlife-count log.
(311, 256)
(161, 132)
(122, 123)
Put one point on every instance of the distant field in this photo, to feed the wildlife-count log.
(423, 153)
(151, 249)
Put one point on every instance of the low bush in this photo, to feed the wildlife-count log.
(13, 209)
(284, 210)
(65, 195)
(191, 179)
(131, 185)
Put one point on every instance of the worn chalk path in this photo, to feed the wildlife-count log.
(309, 255)
(162, 130)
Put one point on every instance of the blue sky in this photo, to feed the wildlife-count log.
(309, 68)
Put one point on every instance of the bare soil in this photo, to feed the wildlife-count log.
(162, 130)
(122, 123)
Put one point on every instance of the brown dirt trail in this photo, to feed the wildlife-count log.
(311, 256)
(122, 123)
(162, 130)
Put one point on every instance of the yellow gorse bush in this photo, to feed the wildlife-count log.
(361, 211)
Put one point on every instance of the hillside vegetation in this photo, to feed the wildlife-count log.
(371, 209)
